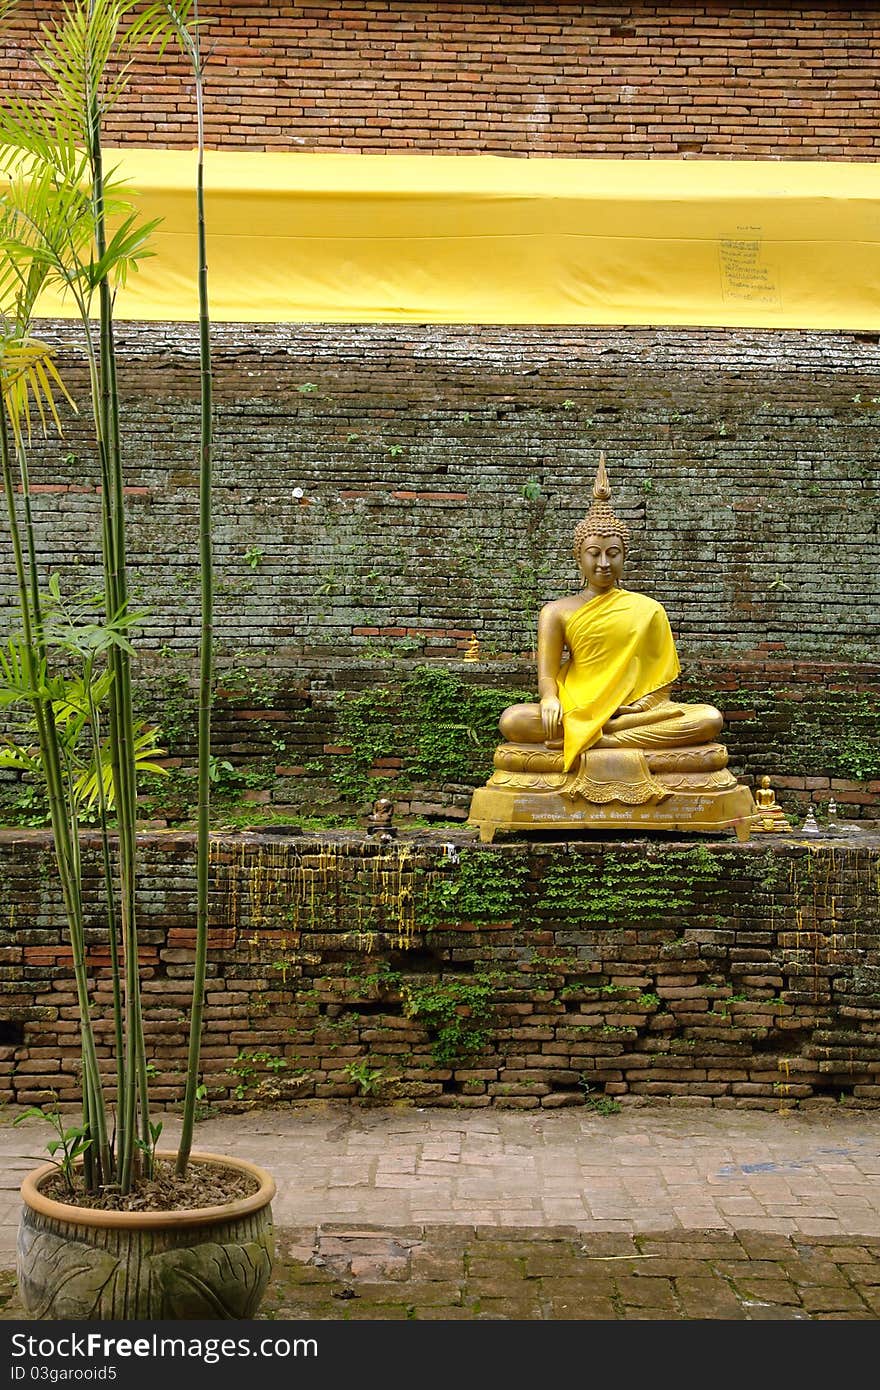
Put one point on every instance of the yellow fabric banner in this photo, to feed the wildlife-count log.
(484, 239)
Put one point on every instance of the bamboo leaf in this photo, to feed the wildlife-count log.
(153, 769)
(145, 748)
(32, 1113)
(15, 682)
(126, 248)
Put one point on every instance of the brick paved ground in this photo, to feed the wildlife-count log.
(559, 1273)
(660, 1212)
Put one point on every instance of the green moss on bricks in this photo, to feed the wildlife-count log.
(482, 887)
(456, 1012)
(173, 703)
(615, 890)
(490, 887)
(442, 728)
(833, 733)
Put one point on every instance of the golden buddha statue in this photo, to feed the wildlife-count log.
(605, 746)
(770, 814)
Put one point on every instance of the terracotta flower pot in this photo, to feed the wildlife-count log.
(77, 1263)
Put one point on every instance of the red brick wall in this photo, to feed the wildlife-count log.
(736, 975)
(724, 80)
(383, 477)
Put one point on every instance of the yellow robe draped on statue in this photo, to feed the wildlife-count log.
(621, 649)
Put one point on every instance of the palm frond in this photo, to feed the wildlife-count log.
(146, 749)
(28, 374)
(41, 130)
(20, 759)
(48, 235)
(85, 58)
(47, 232)
(74, 698)
(127, 247)
(17, 684)
(6, 9)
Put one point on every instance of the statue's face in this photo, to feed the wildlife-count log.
(601, 562)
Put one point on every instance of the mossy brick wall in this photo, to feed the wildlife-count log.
(417, 485)
(442, 469)
(423, 733)
(384, 494)
(715, 80)
(524, 975)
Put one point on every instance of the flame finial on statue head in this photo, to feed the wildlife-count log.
(601, 485)
(600, 519)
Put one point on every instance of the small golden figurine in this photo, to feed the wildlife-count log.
(473, 649)
(770, 815)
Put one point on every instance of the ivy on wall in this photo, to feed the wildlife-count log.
(442, 728)
(338, 988)
(611, 890)
(607, 890)
(480, 888)
(456, 1012)
(439, 729)
(832, 733)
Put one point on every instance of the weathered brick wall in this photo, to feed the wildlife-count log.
(720, 80)
(385, 493)
(518, 975)
(813, 727)
(422, 484)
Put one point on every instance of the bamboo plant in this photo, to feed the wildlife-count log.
(189, 38)
(69, 224)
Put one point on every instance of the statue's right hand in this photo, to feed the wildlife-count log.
(551, 716)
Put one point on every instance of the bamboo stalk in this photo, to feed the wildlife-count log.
(66, 852)
(190, 41)
(109, 896)
(121, 719)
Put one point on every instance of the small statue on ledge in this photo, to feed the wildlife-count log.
(810, 825)
(770, 816)
(473, 649)
(605, 747)
(379, 820)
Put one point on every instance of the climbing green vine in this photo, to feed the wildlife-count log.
(441, 727)
(613, 890)
(802, 727)
(481, 887)
(457, 1012)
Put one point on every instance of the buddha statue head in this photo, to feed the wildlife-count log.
(601, 538)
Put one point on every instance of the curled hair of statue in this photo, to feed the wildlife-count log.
(600, 519)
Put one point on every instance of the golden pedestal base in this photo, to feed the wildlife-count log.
(774, 822)
(529, 791)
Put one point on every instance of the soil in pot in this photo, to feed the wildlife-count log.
(164, 1191)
